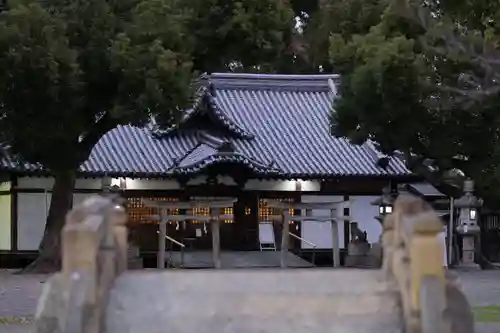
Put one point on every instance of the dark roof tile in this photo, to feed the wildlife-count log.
(277, 125)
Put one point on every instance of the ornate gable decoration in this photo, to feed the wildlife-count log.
(205, 105)
(212, 150)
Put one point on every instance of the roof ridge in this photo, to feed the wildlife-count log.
(260, 76)
(211, 140)
(280, 82)
(226, 121)
(382, 160)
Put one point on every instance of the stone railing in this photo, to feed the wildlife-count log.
(94, 253)
(431, 300)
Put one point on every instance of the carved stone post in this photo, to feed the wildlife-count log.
(388, 244)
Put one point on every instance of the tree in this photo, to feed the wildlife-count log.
(248, 35)
(417, 82)
(74, 70)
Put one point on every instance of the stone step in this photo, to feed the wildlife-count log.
(236, 259)
(135, 263)
(365, 261)
(251, 301)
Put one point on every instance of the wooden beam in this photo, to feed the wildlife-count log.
(189, 204)
(192, 217)
(162, 242)
(303, 205)
(308, 218)
(284, 239)
(215, 224)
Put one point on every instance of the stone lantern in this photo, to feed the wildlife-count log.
(384, 203)
(468, 227)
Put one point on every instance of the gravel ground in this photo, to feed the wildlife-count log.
(19, 294)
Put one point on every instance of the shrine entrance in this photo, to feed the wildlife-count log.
(238, 233)
(208, 226)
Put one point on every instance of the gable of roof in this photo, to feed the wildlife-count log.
(204, 105)
(276, 125)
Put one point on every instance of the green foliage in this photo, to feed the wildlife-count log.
(73, 70)
(424, 81)
(343, 18)
(250, 35)
(487, 314)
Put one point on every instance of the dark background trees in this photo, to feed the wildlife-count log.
(73, 70)
(423, 81)
(420, 84)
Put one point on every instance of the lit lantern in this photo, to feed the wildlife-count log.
(384, 203)
(468, 226)
(468, 206)
(385, 208)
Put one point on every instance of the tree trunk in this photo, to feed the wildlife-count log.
(49, 251)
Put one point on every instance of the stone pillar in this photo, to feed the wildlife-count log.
(467, 260)
(468, 223)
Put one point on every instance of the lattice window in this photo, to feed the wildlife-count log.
(265, 211)
(140, 213)
(228, 211)
(200, 211)
(205, 211)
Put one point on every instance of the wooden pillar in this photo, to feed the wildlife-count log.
(162, 240)
(284, 238)
(335, 240)
(215, 225)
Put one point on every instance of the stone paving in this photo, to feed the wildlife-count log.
(19, 294)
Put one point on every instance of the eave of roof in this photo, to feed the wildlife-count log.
(255, 166)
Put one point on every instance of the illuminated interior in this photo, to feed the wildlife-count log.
(205, 211)
(265, 211)
(138, 213)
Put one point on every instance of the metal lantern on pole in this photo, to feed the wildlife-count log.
(468, 222)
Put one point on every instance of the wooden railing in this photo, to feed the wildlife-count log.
(431, 300)
(333, 218)
(94, 254)
(297, 237)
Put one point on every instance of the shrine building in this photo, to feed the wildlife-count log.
(248, 137)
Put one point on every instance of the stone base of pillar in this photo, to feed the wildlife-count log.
(134, 258)
(360, 255)
(468, 267)
(467, 261)
(358, 249)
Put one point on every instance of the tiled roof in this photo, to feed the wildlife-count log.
(272, 124)
(216, 114)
